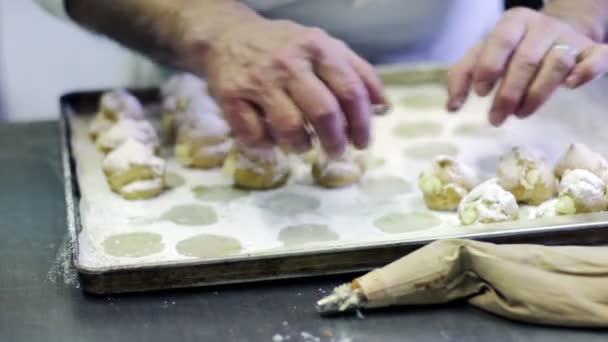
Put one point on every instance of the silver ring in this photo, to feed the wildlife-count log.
(566, 48)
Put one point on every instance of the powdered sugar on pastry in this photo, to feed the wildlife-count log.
(255, 159)
(526, 173)
(125, 129)
(183, 84)
(132, 152)
(119, 104)
(187, 92)
(579, 156)
(99, 125)
(547, 209)
(488, 203)
(134, 172)
(203, 127)
(445, 183)
(580, 191)
(340, 172)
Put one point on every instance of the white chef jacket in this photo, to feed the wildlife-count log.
(383, 31)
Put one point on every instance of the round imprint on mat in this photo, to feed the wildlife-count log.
(428, 100)
(430, 150)
(488, 165)
(385, 187)
(476, 130)
(209, 246)
(417, 129)
(402, 222)
(174, 180)
(191, 215)
(287, 203)
(303, 234)
(133, 245)
(218, 193)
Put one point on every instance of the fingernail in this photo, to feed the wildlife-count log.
(496, 118)
(483, 88)
(572, 81)
(455, 104)
(336, 154)
(381, 109)
(522, 113)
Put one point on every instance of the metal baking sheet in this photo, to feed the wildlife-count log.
(582, 229)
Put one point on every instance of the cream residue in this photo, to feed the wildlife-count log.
(344, 298)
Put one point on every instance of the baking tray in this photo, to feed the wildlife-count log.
(581, 229)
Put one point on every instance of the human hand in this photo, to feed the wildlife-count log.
(592, 63)
(275, 79)
(531, 53)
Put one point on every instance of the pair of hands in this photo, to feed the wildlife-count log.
(280, 82)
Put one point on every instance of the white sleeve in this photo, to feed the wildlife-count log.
(56, 7)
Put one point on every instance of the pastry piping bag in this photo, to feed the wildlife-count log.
(562, 285)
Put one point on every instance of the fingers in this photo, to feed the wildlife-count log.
(593, 64)
(286, 120)
(373, 84)
(521, 71)
(322, 110)
(460, 78)
(556, 66)
(246, 123)
(495, 53)
(351, 93)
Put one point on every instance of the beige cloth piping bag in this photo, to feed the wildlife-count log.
(565, 286)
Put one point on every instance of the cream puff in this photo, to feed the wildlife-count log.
(203, 141)
(579, 156)
(340, 172)
(134, 172)
(445, 183)
(488, 203)
(527, 175)
(126, 129)
(580, 191)
(258, 168)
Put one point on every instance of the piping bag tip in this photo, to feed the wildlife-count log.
(344, 298)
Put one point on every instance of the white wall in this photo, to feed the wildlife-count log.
(42, 57)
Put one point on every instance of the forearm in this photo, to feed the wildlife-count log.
(178, 33)
(589, 17)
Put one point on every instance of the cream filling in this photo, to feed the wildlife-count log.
(144, 185)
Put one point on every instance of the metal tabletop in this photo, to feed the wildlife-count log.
(40, 299)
